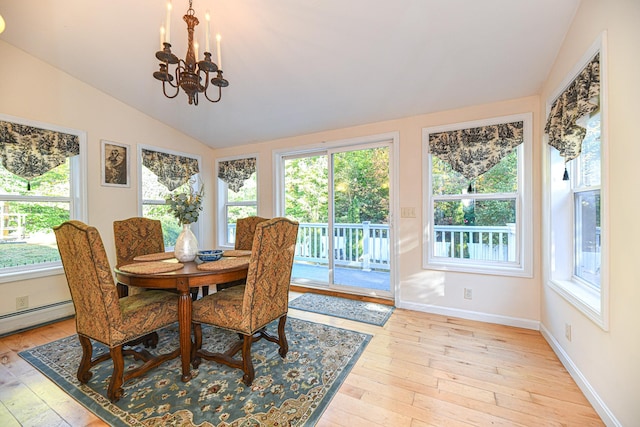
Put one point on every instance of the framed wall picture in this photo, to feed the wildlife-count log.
(115, 164)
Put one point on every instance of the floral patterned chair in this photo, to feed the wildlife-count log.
(247, 309)
(134, 237)
(104, 317)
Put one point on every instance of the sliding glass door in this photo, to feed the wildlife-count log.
(341, 199)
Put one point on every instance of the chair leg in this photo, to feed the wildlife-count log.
(123, 290)
(84, 373)
(197, 345)
(247, 363)
(282, 337)
(205, 291)
(150, 340)
(114, 391)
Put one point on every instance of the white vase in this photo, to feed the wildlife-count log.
(186, 246)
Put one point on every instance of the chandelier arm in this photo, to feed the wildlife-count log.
(219, 95)
(204, 88)
(164, 90)
(175, 86)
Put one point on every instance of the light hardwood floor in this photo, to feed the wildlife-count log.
(418, 370)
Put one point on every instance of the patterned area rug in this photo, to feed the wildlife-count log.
(286, 392)
(361, 311)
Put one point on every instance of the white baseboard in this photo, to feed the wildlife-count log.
(472, 315)
(590, 393)
(35, 316)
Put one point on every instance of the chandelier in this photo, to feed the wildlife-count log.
(189, 73)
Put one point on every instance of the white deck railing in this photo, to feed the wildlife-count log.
(366, 246)
(475, 242)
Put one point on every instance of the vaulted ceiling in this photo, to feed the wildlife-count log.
(302, 66)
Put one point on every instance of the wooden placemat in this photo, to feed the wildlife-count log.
(155, 257)
(224, 264)
(152, 267)
(236, 252)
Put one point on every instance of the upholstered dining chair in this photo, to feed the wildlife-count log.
(134, 237)
(247, 309)
(138, 236)
(104, 317)
(245, 229)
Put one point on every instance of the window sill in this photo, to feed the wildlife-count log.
(585, 300)
(476, 268)
(32, 273)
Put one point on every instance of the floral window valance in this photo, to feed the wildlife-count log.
(474, 151)
(236, 172)
(30, 152)
(566, 125)
(172, 170)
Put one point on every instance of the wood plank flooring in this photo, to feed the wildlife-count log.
(418, 370)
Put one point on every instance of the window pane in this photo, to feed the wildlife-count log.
(54, 183)
(589, 159)
(306, 193)
(152, 189)
(248, 191)
(26, 232)
(475, 229)
(587, 236)
(502, 178)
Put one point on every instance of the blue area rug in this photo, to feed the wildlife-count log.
(286, 392)
(361, 311)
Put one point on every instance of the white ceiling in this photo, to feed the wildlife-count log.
(302, 66)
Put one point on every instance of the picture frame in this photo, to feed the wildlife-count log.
(115, 164)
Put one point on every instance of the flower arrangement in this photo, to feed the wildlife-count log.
(186, 206)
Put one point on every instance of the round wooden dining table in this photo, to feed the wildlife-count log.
(187, 277)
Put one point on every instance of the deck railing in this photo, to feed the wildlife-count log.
(475, 242)
(364, 245)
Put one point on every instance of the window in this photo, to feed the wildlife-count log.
(574, 225)
(237, 195)
(41, 186)
(478, 208)
(164, 172)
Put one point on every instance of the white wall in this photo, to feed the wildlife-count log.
(608, 362)
(500, 299)
(31, 89)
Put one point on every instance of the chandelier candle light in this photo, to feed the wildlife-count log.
(189, 74)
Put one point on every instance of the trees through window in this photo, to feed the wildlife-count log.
(477, 179)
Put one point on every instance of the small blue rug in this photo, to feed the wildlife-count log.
(360, 311)
(293, 391)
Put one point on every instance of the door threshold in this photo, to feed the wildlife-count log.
(357, 297)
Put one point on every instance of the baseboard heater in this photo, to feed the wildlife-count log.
(36, 316)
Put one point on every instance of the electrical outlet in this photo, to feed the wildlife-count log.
(22, 302)
(468, 293)
(567, 331)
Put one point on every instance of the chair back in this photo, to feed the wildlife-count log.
(245, 229)
(137, 236)
(90, 280)
(266, 295)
